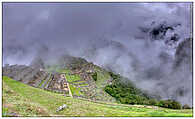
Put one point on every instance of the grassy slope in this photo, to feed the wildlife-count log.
(102, 78)
(29, 101)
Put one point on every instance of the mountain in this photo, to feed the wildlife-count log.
(78, 78)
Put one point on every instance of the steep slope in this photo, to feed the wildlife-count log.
(75, 77)
(86, 79)
(22, 100)
(38, 78)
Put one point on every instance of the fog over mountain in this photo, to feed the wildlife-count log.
(138, 40)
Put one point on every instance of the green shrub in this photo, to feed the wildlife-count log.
(175, 105)
(94, 76)
(114, 76)
(125, 92)
(169, 104)
(109, 90)
(152, 102)
(161, 103)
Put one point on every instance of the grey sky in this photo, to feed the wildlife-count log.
(29, 25)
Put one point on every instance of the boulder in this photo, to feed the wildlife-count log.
(61, 107)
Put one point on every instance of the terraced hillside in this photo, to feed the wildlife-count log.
(22, 100)
(26, 74)
(84, 80)
(37, 78)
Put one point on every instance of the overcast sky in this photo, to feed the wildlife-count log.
(28, 26)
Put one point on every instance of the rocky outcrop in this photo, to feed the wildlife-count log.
(25, 74)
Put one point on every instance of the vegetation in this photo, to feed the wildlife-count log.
(50, 78)
(94, 76)
(80, 82)
(74, 90)
(114, 76)
(83, 84)
(103, 78)
(169, 104)
(69, 76)
(127, 93)
(22, 100)
(42, 81)
(73, 78)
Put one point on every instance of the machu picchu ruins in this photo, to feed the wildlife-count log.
(74, 80)
(38, 78)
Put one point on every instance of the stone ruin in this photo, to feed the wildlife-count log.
(56, 82)
(25, 74)
(37, 78)
(59, 84)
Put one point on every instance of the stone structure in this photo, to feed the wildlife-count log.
(38, 78)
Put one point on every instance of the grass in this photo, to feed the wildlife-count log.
(42, 81)
(83, 84)
(50, 78)
(79, 82)
(23, 100)
(73, 78)
(70, 77)
(74, 90)
(45, 81)
(102, 76)
(101, 82)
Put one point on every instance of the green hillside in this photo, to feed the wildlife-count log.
(22, 100)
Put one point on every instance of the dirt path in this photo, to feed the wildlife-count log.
(124, 105)
(63, 76)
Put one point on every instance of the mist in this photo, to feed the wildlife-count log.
(118, 36)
